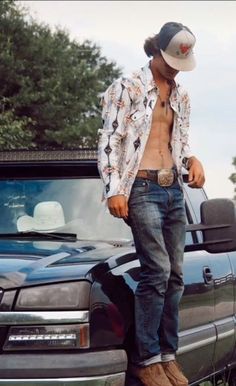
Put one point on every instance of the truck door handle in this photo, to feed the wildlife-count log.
(207, 275)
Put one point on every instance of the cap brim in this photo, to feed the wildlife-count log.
(186, 64)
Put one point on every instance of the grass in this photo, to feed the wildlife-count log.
(210, 384)
(206, 384)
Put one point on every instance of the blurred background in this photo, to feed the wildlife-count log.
(58, 57)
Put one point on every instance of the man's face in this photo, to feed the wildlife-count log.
(163, 68)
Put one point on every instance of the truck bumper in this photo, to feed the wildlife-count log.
(98, 368)
(106, 380)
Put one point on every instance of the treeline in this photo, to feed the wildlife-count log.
(50, 85)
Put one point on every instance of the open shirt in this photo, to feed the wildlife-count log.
(127, 107)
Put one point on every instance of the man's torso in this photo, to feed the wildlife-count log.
(157, 152)
(143, 128)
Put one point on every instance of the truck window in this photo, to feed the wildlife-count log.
(189, 235)
(196, 197)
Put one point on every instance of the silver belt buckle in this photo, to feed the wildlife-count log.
(165, 177)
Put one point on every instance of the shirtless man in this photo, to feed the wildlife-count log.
(142, 147)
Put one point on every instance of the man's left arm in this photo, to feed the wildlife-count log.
(196, 176)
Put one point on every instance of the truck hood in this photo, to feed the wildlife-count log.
(26, 263)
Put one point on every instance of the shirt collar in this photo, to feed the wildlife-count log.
(148, 77)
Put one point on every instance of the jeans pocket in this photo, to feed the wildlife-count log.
(140, 185)
(139, 189)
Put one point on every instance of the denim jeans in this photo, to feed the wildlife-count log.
(157, 219)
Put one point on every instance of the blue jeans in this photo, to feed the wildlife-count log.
(157, 219)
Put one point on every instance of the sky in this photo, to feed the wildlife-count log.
(120, 28)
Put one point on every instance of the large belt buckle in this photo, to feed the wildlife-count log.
(165, 177)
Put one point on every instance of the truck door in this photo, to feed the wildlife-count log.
(218, 278)
(197, 308)
(231, 336)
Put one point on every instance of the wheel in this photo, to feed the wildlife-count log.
(232, 377)
(132, 381)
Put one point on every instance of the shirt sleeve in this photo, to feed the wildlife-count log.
(186, 150)
(116, 105)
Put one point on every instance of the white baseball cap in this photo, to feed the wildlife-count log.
(176, 43)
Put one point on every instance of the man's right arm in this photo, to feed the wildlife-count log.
(116, 105)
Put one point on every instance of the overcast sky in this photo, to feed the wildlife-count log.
(120, 28)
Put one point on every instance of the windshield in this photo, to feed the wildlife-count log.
(65, 205)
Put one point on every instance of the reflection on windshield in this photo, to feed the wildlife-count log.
(71, 205)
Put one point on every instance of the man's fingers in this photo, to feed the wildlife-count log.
(196, 177)
(192, 179)
(116, 211)
(118, 206)
(190, 176)
(126, 209)
(123, 210)
(197, 181)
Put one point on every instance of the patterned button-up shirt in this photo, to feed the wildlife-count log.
(127, 107)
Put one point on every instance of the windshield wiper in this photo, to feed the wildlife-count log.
(40, 236)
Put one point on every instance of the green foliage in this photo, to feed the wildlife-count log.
(14, 133)
(233, 177)
(50, 85)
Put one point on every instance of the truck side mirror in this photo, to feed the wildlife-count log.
(218, 217)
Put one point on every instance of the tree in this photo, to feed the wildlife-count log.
(233, 177)
(50, 85)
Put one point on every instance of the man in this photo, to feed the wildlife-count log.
(142, 147)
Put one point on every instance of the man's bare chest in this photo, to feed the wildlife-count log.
(162, 114)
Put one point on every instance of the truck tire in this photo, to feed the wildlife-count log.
(232, 378)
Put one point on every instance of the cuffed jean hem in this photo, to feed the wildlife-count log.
(167, 357)
(158, 359)
(151, 361)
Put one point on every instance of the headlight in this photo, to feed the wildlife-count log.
(47, 337)
(62, 296)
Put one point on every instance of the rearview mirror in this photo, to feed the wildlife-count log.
(218, 219)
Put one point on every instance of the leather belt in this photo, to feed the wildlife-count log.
(163, 177)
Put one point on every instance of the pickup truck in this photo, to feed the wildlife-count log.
(68, 273)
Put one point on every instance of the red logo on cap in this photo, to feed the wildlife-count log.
(184, 48)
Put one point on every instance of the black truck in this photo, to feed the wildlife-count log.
(68, 273)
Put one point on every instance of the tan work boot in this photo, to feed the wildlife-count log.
(152, 375)
(174, 373)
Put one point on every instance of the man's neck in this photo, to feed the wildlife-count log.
(158, 78)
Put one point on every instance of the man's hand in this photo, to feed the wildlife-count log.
(118, 206)
(196, 176)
